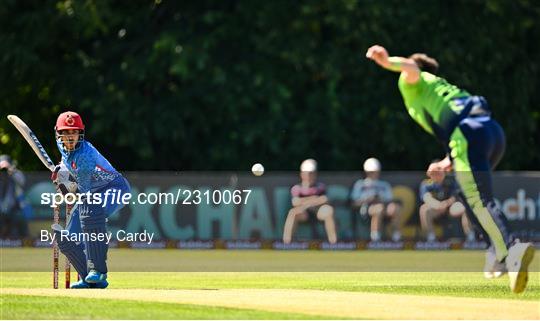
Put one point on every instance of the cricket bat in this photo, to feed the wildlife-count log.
(32, 140)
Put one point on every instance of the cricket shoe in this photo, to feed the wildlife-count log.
(100, 285)
(85, 285)
(519, 257)
(81, 284)
(493, 269)
(95, 277)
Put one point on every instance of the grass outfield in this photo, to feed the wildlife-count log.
(42, 307)
(269, 295)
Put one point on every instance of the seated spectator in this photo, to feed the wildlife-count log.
(12, 223)
(372, 196)
(309, 200)
(439, 200)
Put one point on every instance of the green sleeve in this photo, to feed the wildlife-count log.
(412, 97)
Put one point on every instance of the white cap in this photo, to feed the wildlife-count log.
(309, 165)
(372, 165)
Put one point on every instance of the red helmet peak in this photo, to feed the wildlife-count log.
(69, 120)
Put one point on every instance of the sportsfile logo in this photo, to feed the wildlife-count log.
(111, 196)
(180, 197)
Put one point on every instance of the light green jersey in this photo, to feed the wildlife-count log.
(430, 102)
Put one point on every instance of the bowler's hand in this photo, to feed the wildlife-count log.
(378, 54)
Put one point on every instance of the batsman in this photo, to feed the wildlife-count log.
(83, 169)
(474, 143)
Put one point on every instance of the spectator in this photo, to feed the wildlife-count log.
(309, 200)
(12, 222)
(439, 200)
(373, 197)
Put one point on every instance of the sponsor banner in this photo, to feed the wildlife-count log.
(433, 246)
(380, 245)
(242, 245)
(39, 243)
(278, 245)
(269, 245)
(11, 243)
(474, 245)
(339, 246)
(196, 245)
(146, 245)
(239, 206)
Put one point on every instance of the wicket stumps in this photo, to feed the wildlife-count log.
(67, 264)
(56, 219)
(56, 252)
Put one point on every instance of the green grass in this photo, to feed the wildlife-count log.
(456, 284)
(36, 307)
(261, 261)
(418, 283)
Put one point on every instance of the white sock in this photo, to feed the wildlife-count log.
(431, 237)
(375, 236)
(396, 236)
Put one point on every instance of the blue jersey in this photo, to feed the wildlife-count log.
(439, 191)
(91, 170)
(365, 189)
